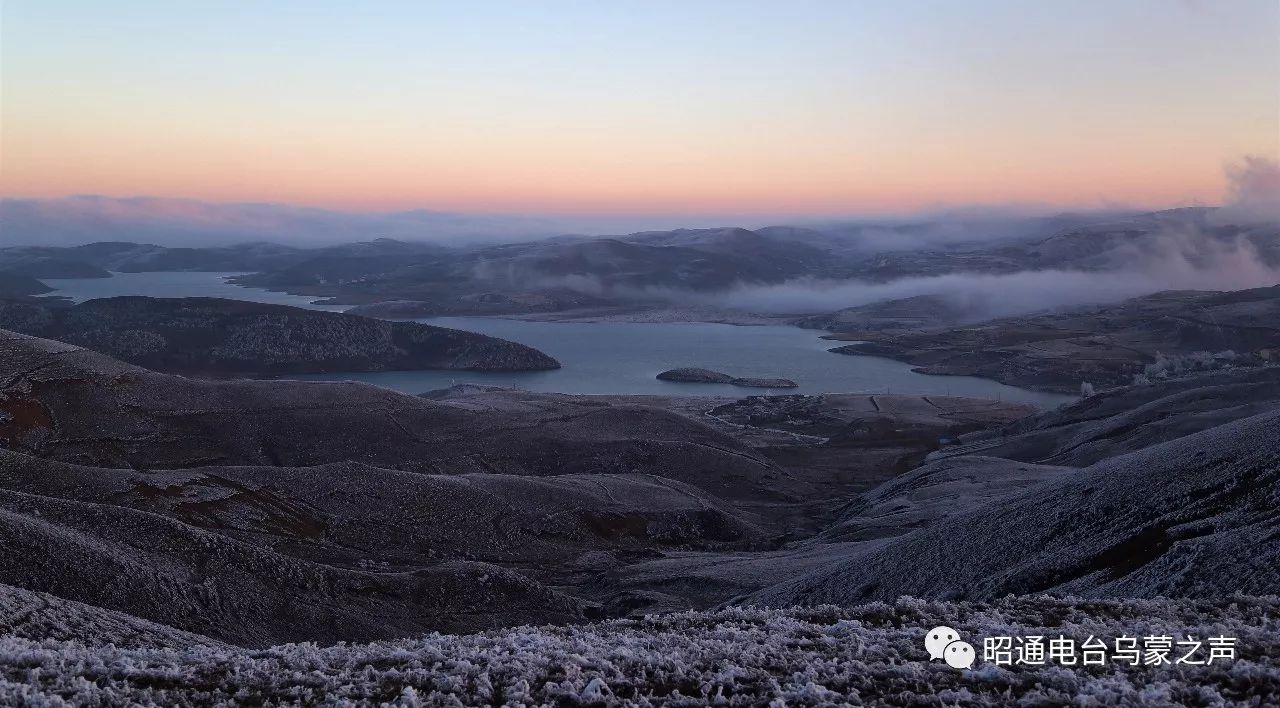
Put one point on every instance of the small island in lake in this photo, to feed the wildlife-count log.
(696, 375)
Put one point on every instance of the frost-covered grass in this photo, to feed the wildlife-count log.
(1175, 366)
(746, 656)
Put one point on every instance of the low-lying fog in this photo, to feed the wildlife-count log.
(1184, 265)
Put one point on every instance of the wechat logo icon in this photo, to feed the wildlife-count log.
(945, 643)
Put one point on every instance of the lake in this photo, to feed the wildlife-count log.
(612, 357)
(174, 284)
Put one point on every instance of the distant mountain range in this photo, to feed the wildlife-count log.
(685, 266)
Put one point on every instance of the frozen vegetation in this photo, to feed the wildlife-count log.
(869, 654)
(1174, 366)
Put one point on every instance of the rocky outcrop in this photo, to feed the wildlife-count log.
(696, 375)
(213, 336)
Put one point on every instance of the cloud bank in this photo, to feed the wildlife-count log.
(1253, 192)
(1185, 259)
(1181, 257)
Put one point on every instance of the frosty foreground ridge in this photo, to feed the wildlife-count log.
(866, 654)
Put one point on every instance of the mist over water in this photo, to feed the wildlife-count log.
(1179, 256)
(1183, 264)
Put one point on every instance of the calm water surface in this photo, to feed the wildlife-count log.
(174, 284)
(612, 357)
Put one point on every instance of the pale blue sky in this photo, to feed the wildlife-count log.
(561, 106)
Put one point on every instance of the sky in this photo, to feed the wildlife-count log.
(803, 107)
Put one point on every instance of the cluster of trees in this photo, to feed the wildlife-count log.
(1172, 367)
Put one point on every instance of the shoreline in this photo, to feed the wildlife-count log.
(599, 315)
